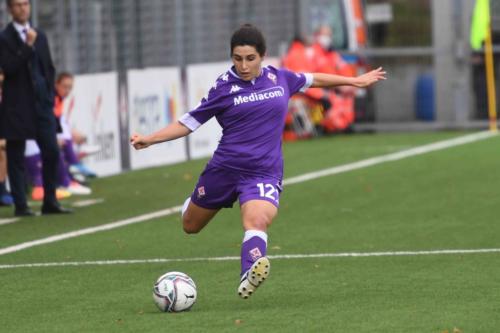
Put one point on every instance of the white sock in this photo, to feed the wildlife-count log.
(255, 233)
(185, 206)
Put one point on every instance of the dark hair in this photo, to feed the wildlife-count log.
(249, 35)
(63, 75)
(9, 2)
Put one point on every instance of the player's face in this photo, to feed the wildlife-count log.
(20, 10)
(64, 87)
(247, 61)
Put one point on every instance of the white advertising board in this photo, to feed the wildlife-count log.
(92, 109)
(154, 101)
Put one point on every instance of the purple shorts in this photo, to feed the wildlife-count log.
(220, 188)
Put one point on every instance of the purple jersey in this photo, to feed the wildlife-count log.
(252, 116)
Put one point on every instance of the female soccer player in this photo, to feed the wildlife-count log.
(250, 102)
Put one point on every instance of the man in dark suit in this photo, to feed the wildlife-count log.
(27, 106)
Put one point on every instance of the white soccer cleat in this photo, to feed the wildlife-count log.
(78, 189)
(86, 149)
(254, 277)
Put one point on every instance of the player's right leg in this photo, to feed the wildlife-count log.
(259, 200)
(194, 217)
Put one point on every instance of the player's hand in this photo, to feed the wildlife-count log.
(31, 37)
(370, 78)
(139, 141)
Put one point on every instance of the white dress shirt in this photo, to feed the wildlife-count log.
(22, 30)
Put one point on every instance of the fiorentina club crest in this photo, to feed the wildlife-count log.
(201, 192)
(255, 253)
(272, 77)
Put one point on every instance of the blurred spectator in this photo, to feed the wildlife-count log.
(337, 105)
(340, 115)
(305, 110)
(68, 158)
(5, 197)
(33, 164)
(326, 57)
(301, 58)
(69, 137)
(27, 106)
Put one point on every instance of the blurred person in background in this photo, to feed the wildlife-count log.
(5, 197)
(340, 115)
(27, 106)
(67, 158)
(33, 164)
(337, 103)
(306, 109)
(69, 137)
(250, 102)
(301, 57)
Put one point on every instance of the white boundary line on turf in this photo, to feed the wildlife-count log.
(390, 157)
(233, 258)
(88, 202)
(81, 232)
(290, 181)
(8, 221)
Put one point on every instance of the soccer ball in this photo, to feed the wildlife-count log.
(174, 292)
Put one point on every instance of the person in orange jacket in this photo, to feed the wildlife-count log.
(339, 108)
(302, 57)
(338, 104)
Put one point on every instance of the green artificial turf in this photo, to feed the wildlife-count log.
(446, 199)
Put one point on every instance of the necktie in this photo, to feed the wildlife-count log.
(25, 34)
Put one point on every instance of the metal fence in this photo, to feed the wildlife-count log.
(425, 37)
(103, 35)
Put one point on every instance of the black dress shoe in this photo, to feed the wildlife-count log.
(23, 212)
(54, 209)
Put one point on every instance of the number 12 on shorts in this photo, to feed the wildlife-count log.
(268, 191)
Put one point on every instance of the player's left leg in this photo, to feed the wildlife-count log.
(257, 216)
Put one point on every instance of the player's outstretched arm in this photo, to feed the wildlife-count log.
(322, 80)
(171, 132)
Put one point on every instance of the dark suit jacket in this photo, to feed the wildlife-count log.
(18, 110)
